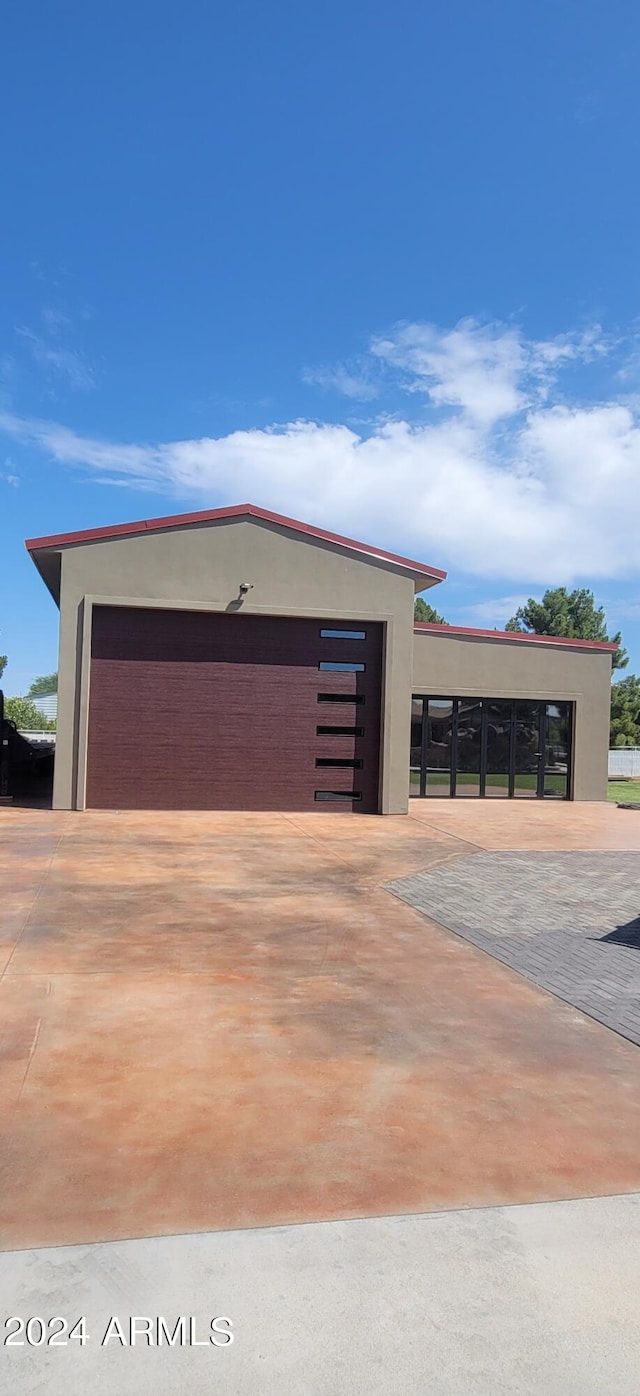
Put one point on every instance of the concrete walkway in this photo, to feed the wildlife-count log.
(521, 1301)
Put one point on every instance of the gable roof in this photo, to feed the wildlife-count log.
(55, 543)
(518, 635)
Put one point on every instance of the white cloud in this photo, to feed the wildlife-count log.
(474, 367)
(489, 371)
(55, 320)
(495, 611)
(9, 474)
(352, 380)
(499, 476)
(61, 362)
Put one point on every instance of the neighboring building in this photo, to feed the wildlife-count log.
(236, 659)
(47, 704)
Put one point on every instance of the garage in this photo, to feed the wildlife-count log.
(206, 710)
(237, 659)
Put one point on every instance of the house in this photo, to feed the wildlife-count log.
(238, 659)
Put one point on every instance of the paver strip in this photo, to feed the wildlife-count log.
(568, 921)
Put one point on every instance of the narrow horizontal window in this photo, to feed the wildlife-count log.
(323, 796)
(336, 666)
(343, 634)
(352, 762)
(341, 698)
(339, 731)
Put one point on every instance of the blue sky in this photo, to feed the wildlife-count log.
(372, 265)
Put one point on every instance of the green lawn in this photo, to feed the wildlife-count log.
(627, 790)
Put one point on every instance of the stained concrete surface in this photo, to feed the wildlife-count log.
(522, 824)
(521, 1301)
(218, 1021)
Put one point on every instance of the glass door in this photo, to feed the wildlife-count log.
(469, 746)
(528, 750)
(439, 766)
(556, 749)
(498, 714)
(416, 764)
(495, 747)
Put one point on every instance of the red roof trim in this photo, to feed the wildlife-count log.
(95, 535)
(424, 625)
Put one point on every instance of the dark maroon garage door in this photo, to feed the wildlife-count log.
(194, 710)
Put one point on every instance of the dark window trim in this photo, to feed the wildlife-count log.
(340, 796)
(571, 753)
(340, 666)
(484, 725)
(353, 762)
(342, 698)
(512, 751)
(453, 760)
(423, 750)
(542, 745)
(339, 731)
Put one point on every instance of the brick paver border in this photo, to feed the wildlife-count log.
(567, 921)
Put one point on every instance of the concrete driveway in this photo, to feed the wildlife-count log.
(219, 1021)
(515, 1301)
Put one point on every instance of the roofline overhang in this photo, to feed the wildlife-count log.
(520, 637)
(422, 574)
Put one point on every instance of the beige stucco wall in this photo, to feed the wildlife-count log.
(202, 567)
(467, 666)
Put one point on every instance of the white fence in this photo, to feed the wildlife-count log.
(624, 761)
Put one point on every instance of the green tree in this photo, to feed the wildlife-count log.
(423, 611)
(573, 615)
(26, 716)
(47, 683)
(625, 712)
(3, 664)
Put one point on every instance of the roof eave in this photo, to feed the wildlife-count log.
(423, 575)
(49, 565)
(464, 631)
